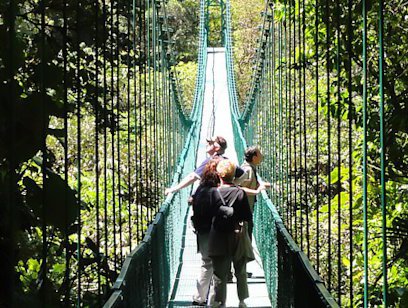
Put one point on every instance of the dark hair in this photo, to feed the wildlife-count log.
(210, 177)
(222, 142)
(250, 153)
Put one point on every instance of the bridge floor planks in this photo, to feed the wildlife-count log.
(216, 102)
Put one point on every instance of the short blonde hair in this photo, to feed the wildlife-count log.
(226, 170)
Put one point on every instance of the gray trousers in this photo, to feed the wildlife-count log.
(221, 267)
(206, 273)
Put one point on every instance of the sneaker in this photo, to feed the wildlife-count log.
(195, 303)
(242, 304)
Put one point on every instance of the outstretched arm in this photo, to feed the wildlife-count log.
(188, 180)
(252, 192)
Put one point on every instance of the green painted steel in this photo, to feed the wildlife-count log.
(364, 110)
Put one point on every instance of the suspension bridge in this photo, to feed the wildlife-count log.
(96, 126)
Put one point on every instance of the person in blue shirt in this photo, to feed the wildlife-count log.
(215, 149)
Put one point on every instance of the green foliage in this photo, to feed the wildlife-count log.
(246, 17)
(184, 20)
(187, 72)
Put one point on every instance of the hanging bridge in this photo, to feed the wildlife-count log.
(95, 126)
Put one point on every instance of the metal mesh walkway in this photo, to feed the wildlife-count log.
(216, 103)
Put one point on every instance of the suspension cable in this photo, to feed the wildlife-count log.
(338, 77)
(117, 126)
(79, 142)
(350, 141)
(329, 259)
(44, 155)
(300, 125)
(365, 226)
(317, 189)
(105, 143)
(96, 108)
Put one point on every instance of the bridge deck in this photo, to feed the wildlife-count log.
(216, 102)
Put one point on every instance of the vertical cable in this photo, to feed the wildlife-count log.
(280, 113)
(118, 149)
(300, 99)
(287, 136)
(269, 84)
(317, 190)
(113, 128)
(65, 99)
(328, 141)
(151, 105)
(338, 154)
(155, 108)
(78, 106)
(294, 122)
(382, 155)
(137, 88)
(147, 85)
(129, 37)
(44, 156)
(365, 227)
(350, 142)
(291, 202)
(105, 146)
(142, 104)
(304, 127)
(272, 46)
(96, 104)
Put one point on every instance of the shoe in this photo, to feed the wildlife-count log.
(242, 304)
(230, 277)
(249, 275)
(195, 303)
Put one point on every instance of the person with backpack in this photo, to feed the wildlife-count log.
(202, 201)
(231, 208)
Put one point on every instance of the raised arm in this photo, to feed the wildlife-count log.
(188, 180)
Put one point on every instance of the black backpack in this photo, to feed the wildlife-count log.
(224, 220)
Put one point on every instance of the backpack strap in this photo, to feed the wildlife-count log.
(223, 201)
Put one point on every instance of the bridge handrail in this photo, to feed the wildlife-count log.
(278, 250)
(138, 284)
